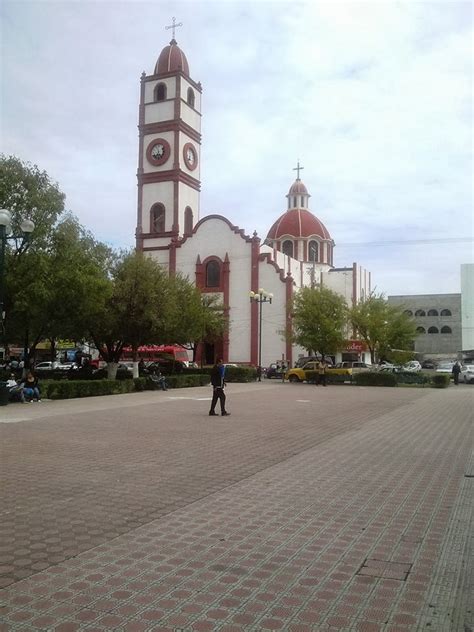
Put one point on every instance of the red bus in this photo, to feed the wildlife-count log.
(150, 353)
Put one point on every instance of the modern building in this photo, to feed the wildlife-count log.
(214, 252)
(438, 322)
(467, 309)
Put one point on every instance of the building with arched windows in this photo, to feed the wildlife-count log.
(221, 258)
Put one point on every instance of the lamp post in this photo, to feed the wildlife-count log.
(26, 227)
(260, 297)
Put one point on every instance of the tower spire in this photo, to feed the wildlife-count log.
(298, 169)
(173, 26)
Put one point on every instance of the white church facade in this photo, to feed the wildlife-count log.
(213, 252)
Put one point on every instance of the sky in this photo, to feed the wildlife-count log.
(375, 99)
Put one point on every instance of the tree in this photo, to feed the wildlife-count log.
(61, 286)
(319, 320)
(29, 193)
(382, 326)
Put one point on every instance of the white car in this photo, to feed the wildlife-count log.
(445, 367)
(467, 374)
(413, 366)
(43, 367)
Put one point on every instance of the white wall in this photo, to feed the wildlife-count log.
(467, 306)
(160, 111)
(157, 192)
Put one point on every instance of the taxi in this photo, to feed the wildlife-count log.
(308, 371)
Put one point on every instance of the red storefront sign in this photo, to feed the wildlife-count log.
(356, 346)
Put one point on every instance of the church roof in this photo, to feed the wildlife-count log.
(298, 187)
(171, 59)
(298, 222)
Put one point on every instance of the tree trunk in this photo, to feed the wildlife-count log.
(112, 370)
(135, 361)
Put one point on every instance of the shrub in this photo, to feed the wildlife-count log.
(68, 389)
(374, 379)
(240, 374)
(408, 377)
(185, 381)
(441, 380)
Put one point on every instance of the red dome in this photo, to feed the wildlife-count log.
(171, 59)
(298, 222)
(298, 188)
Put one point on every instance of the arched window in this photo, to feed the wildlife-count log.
(157, 218)
(432, 312)
(313, 251)
(302, 201)
(446, 312)
(420, 312)
(288, 248)
(408, 312)
(160, 92)
(294, 202)
(188, 221)
(420, 330)
(446, 330)
(433, 330)
(191, 97)
(213, 274)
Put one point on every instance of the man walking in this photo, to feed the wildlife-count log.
(322, 372)
(218, 384)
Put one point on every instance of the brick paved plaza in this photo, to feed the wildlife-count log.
(338, 508)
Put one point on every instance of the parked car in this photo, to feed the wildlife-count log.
(304, 360)
(298, 374)
(274, 371)
(412, 367)
(445, 367)
(429, 364)
(49, 367)
(467, 374)
(357, 367)
(123, 373)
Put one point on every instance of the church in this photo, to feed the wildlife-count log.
(213, 251)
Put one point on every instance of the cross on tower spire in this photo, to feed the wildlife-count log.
(298, 169)
(174, 26)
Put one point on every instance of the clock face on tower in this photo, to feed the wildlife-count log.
(190, 156)
(158, 152)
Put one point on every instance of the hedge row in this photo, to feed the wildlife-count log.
(68, 389)
(438, 380)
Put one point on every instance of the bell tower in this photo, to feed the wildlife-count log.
(169, 154)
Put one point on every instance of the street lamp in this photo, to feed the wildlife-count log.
(260, 297)
(26, 227)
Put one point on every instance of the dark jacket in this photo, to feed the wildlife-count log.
(217, 379)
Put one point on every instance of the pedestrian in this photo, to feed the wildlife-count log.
(322, 366)
(15, 389)
(31, 388)
(141, 366)
(259, 374)
(456, 370)
(218, 385)
(159, 379)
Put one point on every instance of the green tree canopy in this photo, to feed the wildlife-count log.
(382, 326)
(319, 320)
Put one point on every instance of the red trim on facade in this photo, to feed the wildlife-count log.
(172, 258)
(220, 287)
(225, 280)
(175, 225)
(169, 176)
(255, 252)
(170, 126)
(235, 229)
(169, 234)
(174, 73)
(288, 306)
(141, 118)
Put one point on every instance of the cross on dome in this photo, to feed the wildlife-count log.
(173, 26)
(298, 169)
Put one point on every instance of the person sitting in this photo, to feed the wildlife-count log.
(31, 388)
(159, 379)
(15, 390)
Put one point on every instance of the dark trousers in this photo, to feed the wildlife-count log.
(218, 394)
(456, 378)
(321, 379)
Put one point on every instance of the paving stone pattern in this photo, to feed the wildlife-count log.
(310, 509)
